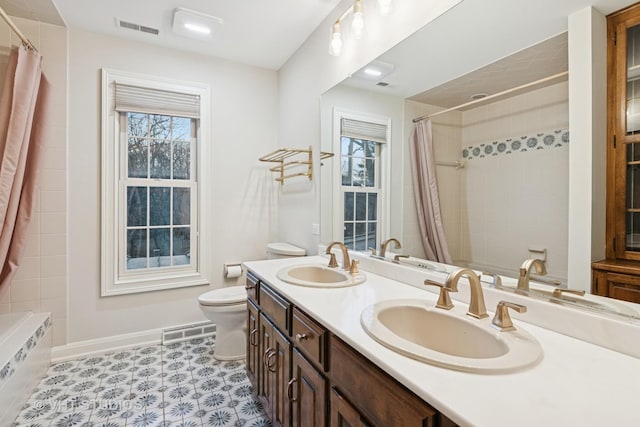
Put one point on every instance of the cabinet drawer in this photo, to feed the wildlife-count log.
(275, 307)
(310, 337)
(252, 287)
(376, 395)
(624, 287)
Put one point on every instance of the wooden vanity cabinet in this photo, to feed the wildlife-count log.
(307, 377)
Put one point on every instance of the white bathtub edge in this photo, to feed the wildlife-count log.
(78, 349)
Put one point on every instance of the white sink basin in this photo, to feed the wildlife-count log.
(319, 276)
(451, 340)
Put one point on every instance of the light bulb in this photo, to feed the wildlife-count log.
(385, 7)
(335, 47)
(357, 23)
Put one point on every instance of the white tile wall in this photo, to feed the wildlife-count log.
(515, 201)
(41, 281)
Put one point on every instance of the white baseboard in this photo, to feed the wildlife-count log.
(101, 345)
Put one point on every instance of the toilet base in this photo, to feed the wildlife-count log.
(231, 338)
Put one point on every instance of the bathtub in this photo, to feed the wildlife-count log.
(25, 356)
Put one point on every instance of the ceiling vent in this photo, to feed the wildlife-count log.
(137, 27)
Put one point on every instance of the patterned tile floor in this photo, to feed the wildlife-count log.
(177, 385)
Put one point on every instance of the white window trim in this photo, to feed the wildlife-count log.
(111, 283)
(384, 165)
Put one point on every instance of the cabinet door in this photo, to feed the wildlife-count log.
(266, 347)
(253, 343)
(342, 413)
(275, 370)
(623, 147)
(308, 393)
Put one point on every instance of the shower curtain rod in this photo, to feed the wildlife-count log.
(495, 95)
(25, 41)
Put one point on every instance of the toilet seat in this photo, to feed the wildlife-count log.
(232, 295)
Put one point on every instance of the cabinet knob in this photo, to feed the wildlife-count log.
(248, 287)
(302, 337)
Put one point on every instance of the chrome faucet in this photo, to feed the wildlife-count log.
(477, 308)
(525, 272)
(346, 262)
(383, 245)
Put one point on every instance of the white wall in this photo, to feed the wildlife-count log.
(244, 125)
(512, 202)
(587, 161)
(40, 283)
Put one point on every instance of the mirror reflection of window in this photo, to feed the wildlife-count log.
(361, 188)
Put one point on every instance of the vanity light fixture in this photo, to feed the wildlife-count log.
(190, 23)
(357, 24)
(335, 48)
(385, 7)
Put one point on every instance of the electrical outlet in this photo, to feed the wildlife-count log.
(315, 229)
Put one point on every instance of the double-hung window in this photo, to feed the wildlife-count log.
(154, 184)
(361, 216)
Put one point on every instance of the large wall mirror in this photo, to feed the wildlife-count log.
(502, 163)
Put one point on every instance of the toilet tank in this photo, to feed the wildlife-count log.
(283, 250)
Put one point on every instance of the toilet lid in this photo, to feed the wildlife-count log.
(224, 296)
(282, 248)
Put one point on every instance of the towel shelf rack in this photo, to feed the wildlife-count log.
(282, 155)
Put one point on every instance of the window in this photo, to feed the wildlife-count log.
(361, 144)
(154, 184)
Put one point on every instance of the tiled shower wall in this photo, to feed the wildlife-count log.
(514, 199)
(41, 281)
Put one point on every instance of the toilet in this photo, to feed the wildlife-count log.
(227, 308)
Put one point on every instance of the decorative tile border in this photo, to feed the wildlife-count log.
(539, 141)
(21, 354)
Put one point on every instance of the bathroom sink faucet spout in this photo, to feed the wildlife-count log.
(383, 246)
(346, 261)
(525, 272)
(477, 307)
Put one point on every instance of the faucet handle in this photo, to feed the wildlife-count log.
(444, 300)
(354, 267)
(497, 280)
(373, 251)
(557, 293)
(332, 261)
(502, 320)
(397, 258)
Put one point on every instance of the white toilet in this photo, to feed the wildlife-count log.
(227, 308)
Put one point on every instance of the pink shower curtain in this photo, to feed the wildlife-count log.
(24, 112)
(425, 189)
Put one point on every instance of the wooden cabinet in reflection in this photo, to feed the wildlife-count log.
(618, 276)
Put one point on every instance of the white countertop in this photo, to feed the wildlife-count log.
(576, 383)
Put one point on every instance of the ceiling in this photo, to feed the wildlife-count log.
(263, 33)
(537, 62)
